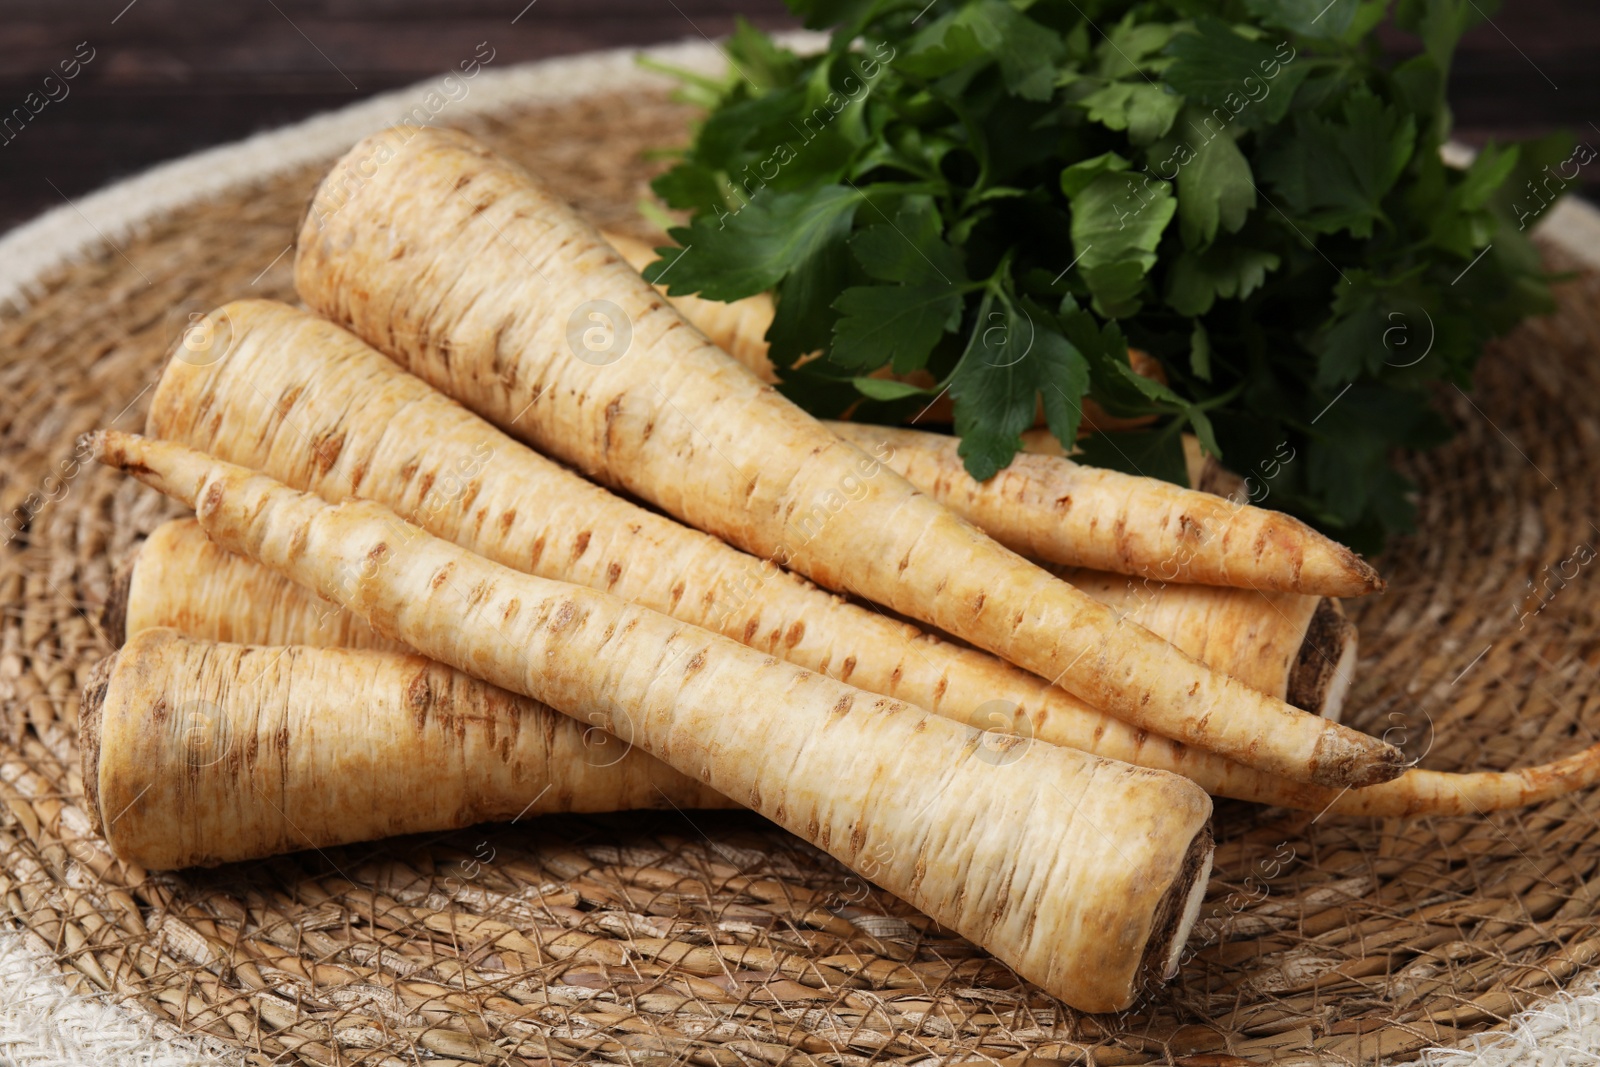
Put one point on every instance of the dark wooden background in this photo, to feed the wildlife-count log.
(171, 76)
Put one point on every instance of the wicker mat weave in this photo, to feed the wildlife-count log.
(716, 938)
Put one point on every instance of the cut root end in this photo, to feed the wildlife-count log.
(114, 616)
(1178, 912)
(89, 710)
(1321, 676)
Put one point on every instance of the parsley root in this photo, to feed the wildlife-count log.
(1055, 510)
(197, 753)
(459, 266)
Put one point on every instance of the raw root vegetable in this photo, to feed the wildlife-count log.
(178, 578)
(1297, 648)
(246, 600)
(459, 266)
(1055, 510)
(1084, 875)
(197, 753)
(296, 397)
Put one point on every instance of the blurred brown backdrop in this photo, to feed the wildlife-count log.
(171, 76)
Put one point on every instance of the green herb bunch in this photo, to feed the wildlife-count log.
(996, 199)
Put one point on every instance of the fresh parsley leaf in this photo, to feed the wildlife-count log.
(888, 388)
(894, 324)
(805, 315)
(1117, 222)
(1252, 80)
(1325, 19)
(988, 31)
(1146, 111)
(1197, 279)
(743, 252)
(1334, 174)
(910, 249)
(1215, 190)
(1016, 358)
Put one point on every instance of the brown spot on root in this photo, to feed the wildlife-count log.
(425, 486)
(613, 572)
(796, 631)
(978, 602)
(697, 661)
(847, 668)
(441, 576)
(288, 399)
(326, 451)
(507, 517)
(535, 552)
(419, 698)
(565, 614)
(677, 592)
(1189, 527)
(513, 606)
(212, 501)
(750, 629)
(844, 704)
(580, 544)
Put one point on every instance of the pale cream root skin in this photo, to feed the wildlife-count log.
(1057, 862)
(459, 266)
(315, 407)
(179, 578)
(1052, 509)
(1256, 637)
(209, 753)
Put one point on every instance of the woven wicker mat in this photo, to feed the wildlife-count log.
(716, 938)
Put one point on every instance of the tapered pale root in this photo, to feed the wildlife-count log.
(177, 577)
(1053, 509)
(1061, 864)
(1297, 648)
(465, 271)
(198, 753)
